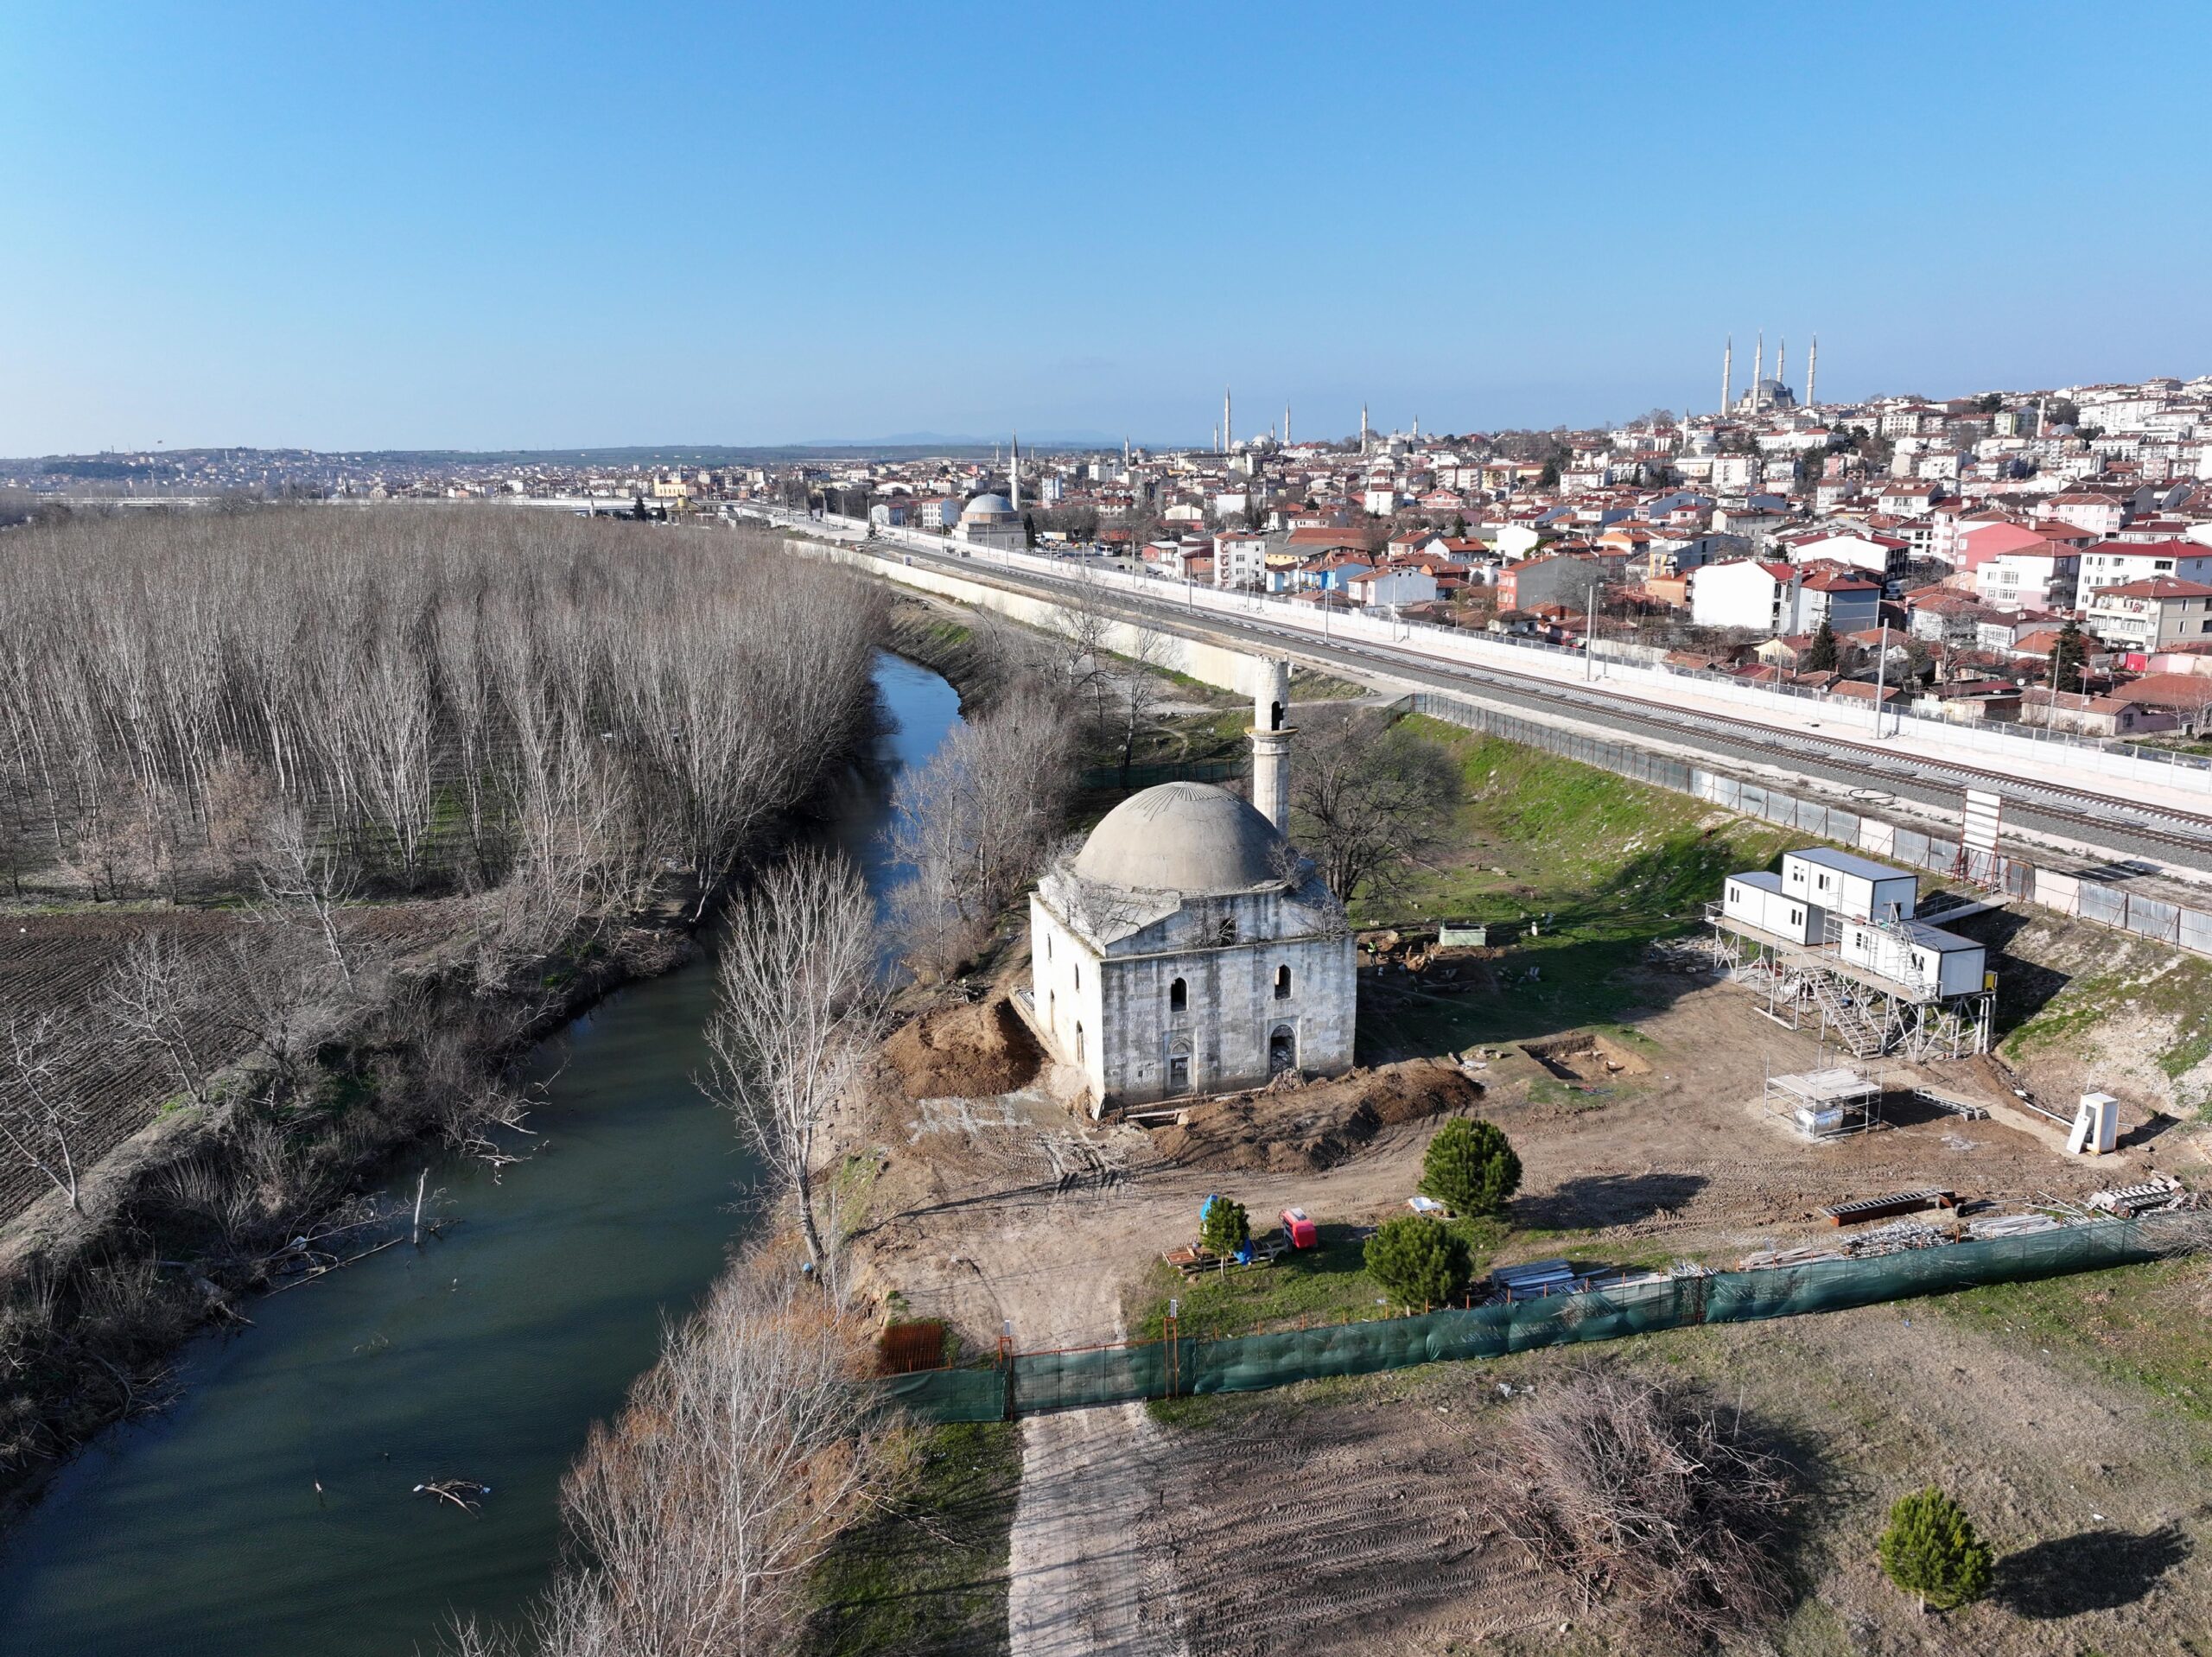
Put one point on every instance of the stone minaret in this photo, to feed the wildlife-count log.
(1014, 477)
(1363, 429)
(1727, 371)
(1781, 355)
(1812, 371)
(1758, 369)
(1285, 425)
(1271, 733)
(1226, 439)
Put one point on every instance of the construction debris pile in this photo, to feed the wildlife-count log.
(2160, 1194)
(1444, 959)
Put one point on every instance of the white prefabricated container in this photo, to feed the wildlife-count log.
(1916, 956)
(1857, 888)
(1756, 899)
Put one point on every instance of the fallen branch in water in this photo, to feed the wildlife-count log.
(323, 1268)
(465, 1494)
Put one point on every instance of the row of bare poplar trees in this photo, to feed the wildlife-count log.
(424, 698)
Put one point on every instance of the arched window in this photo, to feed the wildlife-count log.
(1079, 1041)
(1283, 983)
(1179, 996)
(1048, 946)
(1078, 975)
(1051, 1006)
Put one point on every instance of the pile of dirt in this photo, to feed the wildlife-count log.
(1303, 1130)
(964, 1052)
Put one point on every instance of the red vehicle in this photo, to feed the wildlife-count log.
(1299, 1230)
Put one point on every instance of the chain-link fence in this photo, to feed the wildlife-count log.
(1032, 1382)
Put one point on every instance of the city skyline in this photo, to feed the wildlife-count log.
(527, 230)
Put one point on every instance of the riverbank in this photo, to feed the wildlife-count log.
(276, 1493)
(193, 1208)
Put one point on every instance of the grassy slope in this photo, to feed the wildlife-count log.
(929, 1574)
(2172, 990)
(1617, 864)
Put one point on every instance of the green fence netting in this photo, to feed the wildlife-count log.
(1035, 1382)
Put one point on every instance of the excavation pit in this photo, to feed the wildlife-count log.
(1585, 1057)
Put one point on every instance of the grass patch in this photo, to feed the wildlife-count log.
(1325, 1285)
(1604, 865)
(928, 1575)
(2140, 1325)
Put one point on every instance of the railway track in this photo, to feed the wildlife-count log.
(2117, 827)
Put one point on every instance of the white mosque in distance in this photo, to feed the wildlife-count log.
(1188, 947)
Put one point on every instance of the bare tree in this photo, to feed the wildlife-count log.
(285, 997)
(737, 1462)
(1083, 627)
(153, 997)
(1369, 798)
(797, 997)
(976, 824)
(1644, 1489)
(302, 872)
(42, 1116)
(1141, 688)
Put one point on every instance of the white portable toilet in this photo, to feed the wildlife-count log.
(2096, 1126)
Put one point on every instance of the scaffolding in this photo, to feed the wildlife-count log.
(1867, 1013)
(1826, 1104)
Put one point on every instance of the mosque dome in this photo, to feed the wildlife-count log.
(985, 509)
(1184, 837)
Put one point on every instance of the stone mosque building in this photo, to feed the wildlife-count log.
(1187, 948)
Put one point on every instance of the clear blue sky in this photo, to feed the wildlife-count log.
(404, 225)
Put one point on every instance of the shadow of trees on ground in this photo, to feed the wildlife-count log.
(2092, 1570)
(1596, 1200)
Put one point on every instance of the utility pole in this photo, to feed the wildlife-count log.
(1881, 672)
(1590, 633)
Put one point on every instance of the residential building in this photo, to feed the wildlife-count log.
(2112, 563)
(1555, 578)
(2029, 580)
(2151, 615)
(1753, 593)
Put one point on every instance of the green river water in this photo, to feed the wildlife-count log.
(486, 1354)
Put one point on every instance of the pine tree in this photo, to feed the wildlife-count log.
(1225, 1226)
(1470, 1168)
(2069, 654)
(1931, 1549)
(1419, 1262)
(1822, 654)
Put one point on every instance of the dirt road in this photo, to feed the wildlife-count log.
(1087, 1574)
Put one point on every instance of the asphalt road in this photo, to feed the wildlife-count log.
(2118, 828)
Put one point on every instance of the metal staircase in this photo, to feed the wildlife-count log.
(1845, 1019)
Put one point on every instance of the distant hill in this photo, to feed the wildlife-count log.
(905, 446)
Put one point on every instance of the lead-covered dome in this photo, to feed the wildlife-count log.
(1183, 837)
(985, 507)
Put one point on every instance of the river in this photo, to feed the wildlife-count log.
(486, 1354)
